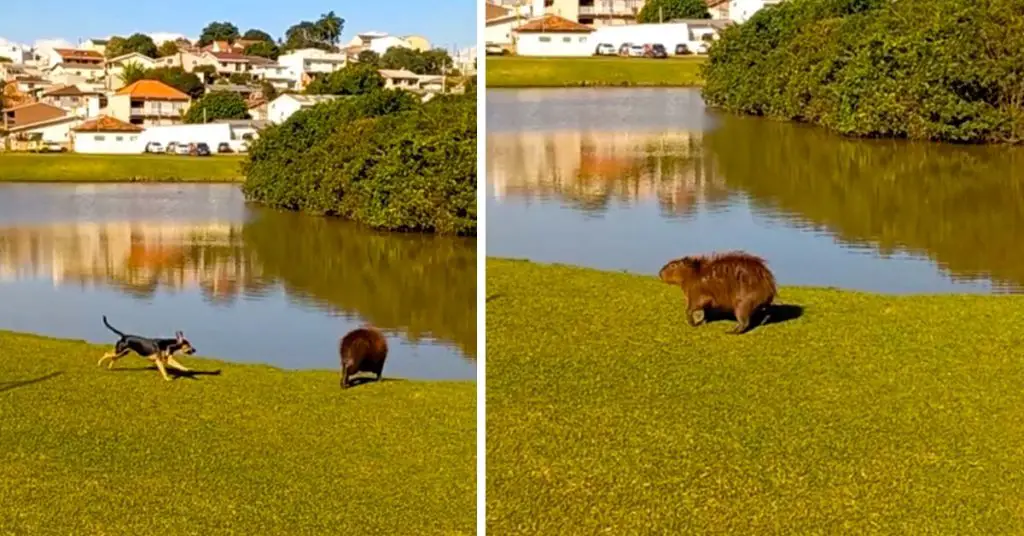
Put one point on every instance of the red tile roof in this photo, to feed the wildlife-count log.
(553, 24)
(79, 55)
(494, 11)
(106, 123)
(29, 114)
(152, 90)
(69, 91)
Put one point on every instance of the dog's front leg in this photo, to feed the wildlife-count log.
(160, 365)
(174, 363)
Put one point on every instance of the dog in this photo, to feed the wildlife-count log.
(159, 351)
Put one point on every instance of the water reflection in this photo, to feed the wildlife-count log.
(288, 272)
(826, 210)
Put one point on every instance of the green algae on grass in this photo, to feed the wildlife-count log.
(868, 414)
(73, 167)
(255, 450)
(524, 72)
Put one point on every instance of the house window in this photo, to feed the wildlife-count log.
(544, 39)
(566, 39)
(99, 138)
(133, 138)
(583, 40)
(119, 138)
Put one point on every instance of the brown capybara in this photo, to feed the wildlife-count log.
(362, 350)
(735, 282)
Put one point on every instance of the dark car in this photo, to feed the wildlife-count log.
(224, 147)
(624, 49)
(658, 51)
(682, 50)
(201, 149)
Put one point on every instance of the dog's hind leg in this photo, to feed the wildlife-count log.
(112, 356)
(174, 363)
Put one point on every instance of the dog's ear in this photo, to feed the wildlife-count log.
(180, 335)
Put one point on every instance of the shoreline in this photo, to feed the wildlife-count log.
(18, 167)
(903, 405)
(521, 72)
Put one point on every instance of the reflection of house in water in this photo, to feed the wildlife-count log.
(592, 168)
(138, 256)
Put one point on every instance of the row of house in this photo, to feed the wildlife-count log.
(576, 27)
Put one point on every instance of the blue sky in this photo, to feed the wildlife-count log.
(445, 24)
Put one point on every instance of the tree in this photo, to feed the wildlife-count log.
(330, 27)
(133, 72)
(218, 31)
(240, 79)
(141, 43)
(369, 57)
(403, 58)
(178, 78)
(257, 35)
(263, 49)
(167, 48)
(324, 34)
(268, 90)
(207, 72)
(435, 61)
(5, 59)
(665, 10)
(355, 79)
(217, 105)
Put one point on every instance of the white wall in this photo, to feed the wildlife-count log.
(60, 132)
(500, 33)
(281, 109)
(555, 44)
(109, 142)
(668, 34)
(211, 133)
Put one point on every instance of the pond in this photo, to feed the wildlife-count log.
(245, 284)
(626, 179)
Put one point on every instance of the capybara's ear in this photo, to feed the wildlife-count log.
(691, 263)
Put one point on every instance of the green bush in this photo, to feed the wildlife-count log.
(943, 70)
(383, 159)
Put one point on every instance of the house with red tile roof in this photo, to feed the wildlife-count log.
(228, 63)
(37, 122)
(74, 100)
(107, 135)
(149, 102)
(552, 35)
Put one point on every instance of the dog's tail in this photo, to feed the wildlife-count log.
(111, 328)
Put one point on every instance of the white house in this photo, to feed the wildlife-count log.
(382, 44)
(400, 79)
(115, 68)
(15, 52)
(552, 35)
(68, 73)
(57, 129)
(280, 76)
(288, 72)
(107, 135)
(741, 10)
(281, 108)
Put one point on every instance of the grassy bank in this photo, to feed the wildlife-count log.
(70, 167)
(254, 450)
(868, 414)
(515, 72)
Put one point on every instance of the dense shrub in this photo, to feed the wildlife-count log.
(950, 70)
(382, 159)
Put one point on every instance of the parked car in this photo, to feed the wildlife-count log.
(154, 147)
(657, 50)
(224, 147)
(199, 149)
(624, 49)
(702, 47)
(636, 51)
(492, 49)
(171, 147)
(682, 49)
(605, 49)
(51, 147)
(182, 149)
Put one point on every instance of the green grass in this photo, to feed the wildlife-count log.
(71, 167)
(255, 450)
(517, 71)
(869, 414)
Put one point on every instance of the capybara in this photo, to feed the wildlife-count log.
(362, 350)
(735, 282)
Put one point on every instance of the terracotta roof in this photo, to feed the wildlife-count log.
(77, 54)
(106, 123)
(36, 112)
(492, 11)
(152, 89)
(553, 24)
(69, 91)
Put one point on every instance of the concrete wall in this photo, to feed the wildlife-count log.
(555, 44)
(109, 142)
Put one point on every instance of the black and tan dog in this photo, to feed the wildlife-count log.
(159, 351)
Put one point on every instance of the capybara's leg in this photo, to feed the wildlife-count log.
(693, 305)
(743, 311)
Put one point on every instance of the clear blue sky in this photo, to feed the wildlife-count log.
(444, 23)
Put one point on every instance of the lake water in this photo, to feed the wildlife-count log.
(626, 179)
(245, 284)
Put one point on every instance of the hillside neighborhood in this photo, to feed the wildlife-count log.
(579, 28)
(87, 100)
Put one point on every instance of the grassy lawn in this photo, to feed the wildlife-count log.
(254, 450)
(868, 414)
(71, 167)
(512, 71)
